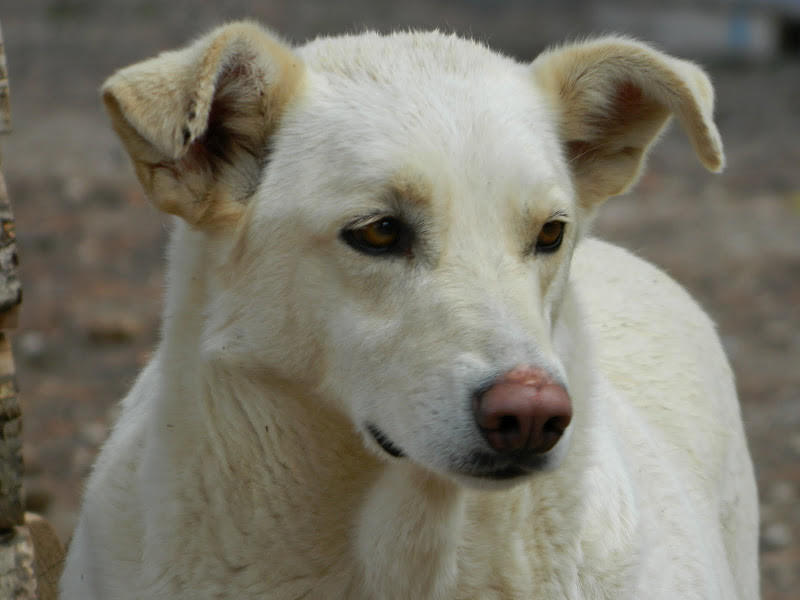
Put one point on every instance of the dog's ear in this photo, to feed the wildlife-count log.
(613, 96)
(196, 122)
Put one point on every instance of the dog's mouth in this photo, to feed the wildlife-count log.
(384, 442)
(500, 474)
(479, 465)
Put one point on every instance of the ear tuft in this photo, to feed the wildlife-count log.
(196, 121)
(614, 96)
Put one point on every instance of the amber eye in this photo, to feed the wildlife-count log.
(550, 236)
(385, 235)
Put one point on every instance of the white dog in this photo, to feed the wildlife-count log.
(393, 366)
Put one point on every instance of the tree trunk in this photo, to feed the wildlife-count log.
(31, 555)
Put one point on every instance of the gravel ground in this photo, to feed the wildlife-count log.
(90, 245)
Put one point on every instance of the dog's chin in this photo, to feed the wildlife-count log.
(480, 470)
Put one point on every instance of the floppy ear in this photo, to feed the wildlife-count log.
(613, 96)
(196, 121)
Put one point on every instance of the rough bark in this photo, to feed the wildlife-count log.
(17, 570)
(31, 554)
(11, 507)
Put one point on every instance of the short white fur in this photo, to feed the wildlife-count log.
(241, 466)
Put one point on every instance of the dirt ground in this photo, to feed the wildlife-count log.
(90, 246)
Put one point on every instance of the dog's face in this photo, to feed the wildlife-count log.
(429, 226)
(393, 217)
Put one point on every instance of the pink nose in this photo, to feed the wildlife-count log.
(523, 410)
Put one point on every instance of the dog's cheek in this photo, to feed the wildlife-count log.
(264, 315)
(358, 356)
(400, 379)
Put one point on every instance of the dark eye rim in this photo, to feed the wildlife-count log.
(552, 247)
(400, 247)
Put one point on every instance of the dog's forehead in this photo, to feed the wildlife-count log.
(387, 58)
(429, 101)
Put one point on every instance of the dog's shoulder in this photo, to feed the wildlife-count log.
(669, 390)
(661, 351)
(634, 306)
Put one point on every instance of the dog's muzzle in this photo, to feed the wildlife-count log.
(521, 416)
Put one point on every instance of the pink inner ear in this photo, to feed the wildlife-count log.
(617, 124)
(627, 93)
(628, 106)
(630, 120)
(612, 137)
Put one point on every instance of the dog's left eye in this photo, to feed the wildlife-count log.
(550, 236)
(384, 235)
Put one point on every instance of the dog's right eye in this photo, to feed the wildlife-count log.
(384, 235)
(550, 237)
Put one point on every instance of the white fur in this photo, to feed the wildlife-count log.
(241, 467)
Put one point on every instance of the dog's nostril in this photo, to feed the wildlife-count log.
(556, 425)
(508, 424)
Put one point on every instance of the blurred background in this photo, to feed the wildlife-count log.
(90, 246)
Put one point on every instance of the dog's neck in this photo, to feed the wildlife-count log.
(287, 476)
(292, 480)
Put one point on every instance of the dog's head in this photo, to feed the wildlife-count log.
(391, 218)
